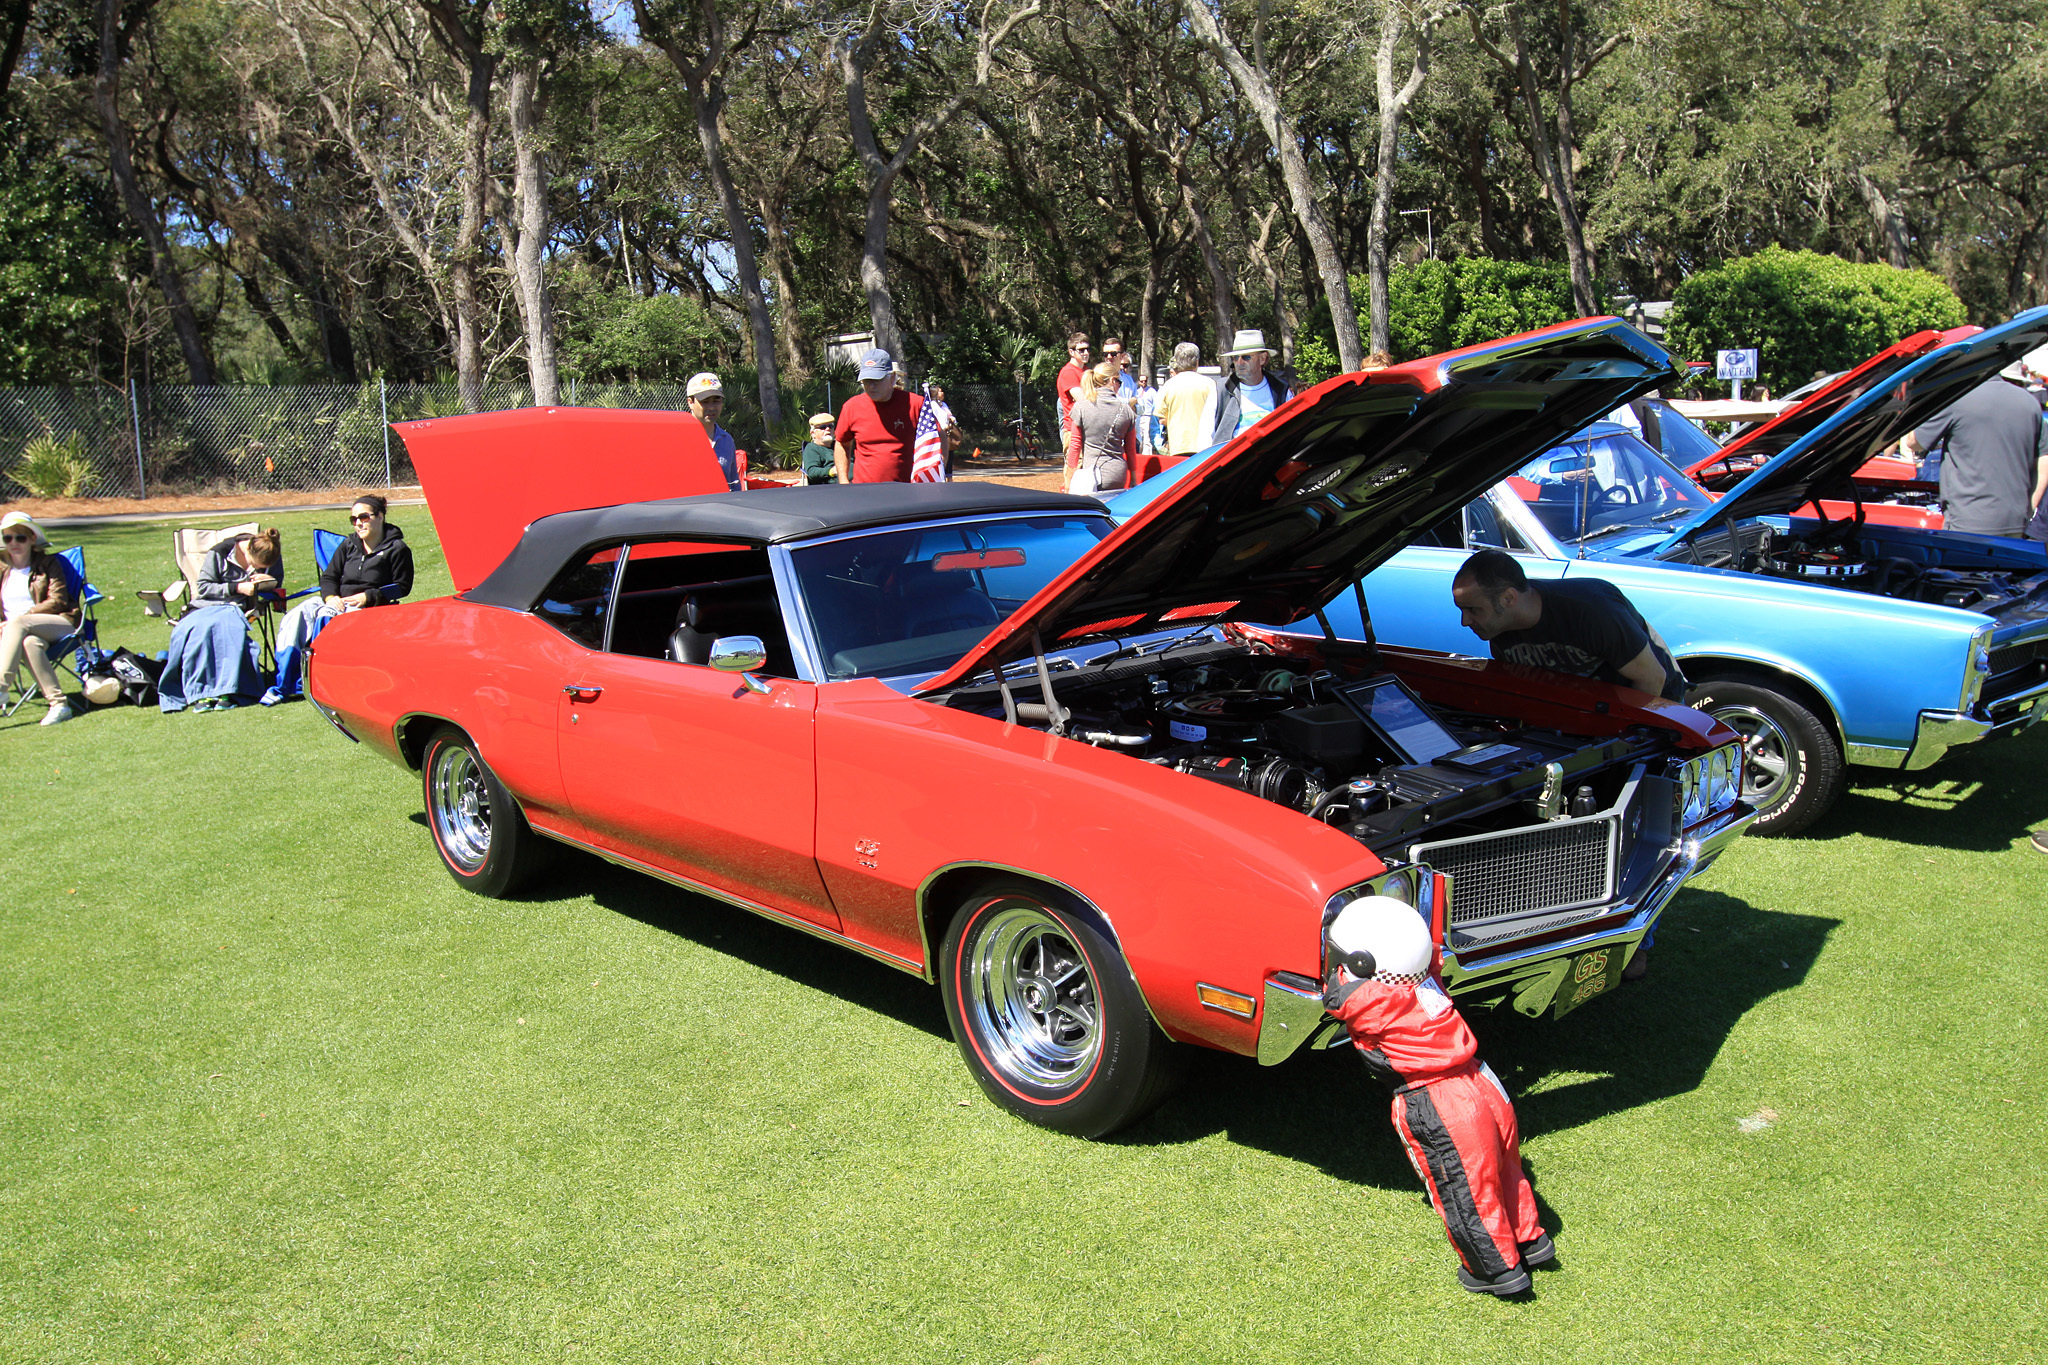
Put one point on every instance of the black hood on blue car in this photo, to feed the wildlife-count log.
(1328, 486)
(1822, 463)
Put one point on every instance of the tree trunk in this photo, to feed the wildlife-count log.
(855, 58)
(789, 328)
(1557, 176)
(1221, 306)
(705, 86)
(1891, 224)
(1258, 91)
(106, 99)
(466, 262)
(1393, 103)
(530, 191)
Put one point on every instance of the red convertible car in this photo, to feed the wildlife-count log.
(1041, 761)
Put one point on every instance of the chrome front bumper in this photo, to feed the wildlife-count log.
(1291, 1015)
(1940, 731)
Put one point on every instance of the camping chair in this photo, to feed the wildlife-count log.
(325, 543)
(80, 650)
(189, 547)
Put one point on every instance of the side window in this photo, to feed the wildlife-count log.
(676, 598)
(578, 602)
(1485, 530)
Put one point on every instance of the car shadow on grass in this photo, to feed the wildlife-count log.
(772, 947)
(1978, 799)
(1648, 1041)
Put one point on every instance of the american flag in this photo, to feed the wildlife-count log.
(928, 452)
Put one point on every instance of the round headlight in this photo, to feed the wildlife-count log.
(1692, 795)
(1399, 885)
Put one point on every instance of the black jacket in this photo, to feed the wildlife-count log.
(388, 567)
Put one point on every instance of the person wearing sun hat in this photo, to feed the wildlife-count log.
(707, 404)
(1249, 392)
(817, 456)
(36, 610)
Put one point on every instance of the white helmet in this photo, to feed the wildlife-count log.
(1384, 936)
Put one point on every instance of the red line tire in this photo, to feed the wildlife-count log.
(1047, 1016)
(479, 830)
(1792, 767)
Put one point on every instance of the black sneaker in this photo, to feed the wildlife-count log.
(1638, 966)
(1513, 1280)
(1540, 1253)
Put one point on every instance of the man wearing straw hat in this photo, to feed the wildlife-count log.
(1249, 393)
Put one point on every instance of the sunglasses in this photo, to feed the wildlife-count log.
(362, 516)
(18, 540)
(1077, 350)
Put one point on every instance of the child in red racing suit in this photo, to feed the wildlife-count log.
(1454, 1118)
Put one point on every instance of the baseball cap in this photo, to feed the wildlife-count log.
(823, 419)
(705, 385)
(875, 364)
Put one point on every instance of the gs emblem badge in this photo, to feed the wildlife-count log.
(1592, 964)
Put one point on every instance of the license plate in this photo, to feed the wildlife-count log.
(1589, 975)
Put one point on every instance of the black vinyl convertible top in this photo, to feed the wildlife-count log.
(761, 516)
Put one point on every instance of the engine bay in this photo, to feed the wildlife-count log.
(1340, 740)
(1843, 554)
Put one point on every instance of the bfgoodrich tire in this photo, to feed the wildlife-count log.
(1792, 767)
(479, 831)
(1047, 1016)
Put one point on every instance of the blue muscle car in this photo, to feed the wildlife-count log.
(1824, 643)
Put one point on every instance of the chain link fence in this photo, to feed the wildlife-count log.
(164, 439)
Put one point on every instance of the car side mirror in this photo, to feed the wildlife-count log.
(741, 654)
(738, 653)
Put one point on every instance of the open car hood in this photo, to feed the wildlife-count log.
(1764, 442)
(487, 476)
(1820, 463)
(1330, 485)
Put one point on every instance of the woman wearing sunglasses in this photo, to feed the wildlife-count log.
(35, 610)
(370, 567)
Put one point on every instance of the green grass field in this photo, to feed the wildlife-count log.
(276, 1090)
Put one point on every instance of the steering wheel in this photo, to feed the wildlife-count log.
(1618, 493)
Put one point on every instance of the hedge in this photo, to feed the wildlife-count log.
(1805, 312)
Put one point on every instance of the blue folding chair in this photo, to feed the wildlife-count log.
(325, 543)
(80, 650)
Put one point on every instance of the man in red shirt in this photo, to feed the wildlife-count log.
(1066, 389)
(877, 430)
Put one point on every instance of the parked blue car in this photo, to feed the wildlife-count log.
(1824, 643)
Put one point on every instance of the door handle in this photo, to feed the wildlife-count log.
(582, 691)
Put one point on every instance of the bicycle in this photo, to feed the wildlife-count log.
(1023, 445)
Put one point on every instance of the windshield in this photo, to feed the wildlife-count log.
(1602, 483)
(894, 603)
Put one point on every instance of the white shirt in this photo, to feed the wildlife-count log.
(1253, 402)
(14, 598)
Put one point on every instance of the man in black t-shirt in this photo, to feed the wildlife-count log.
(1582, 626)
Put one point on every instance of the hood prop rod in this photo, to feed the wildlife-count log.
(1052, 705)
(1365, 617)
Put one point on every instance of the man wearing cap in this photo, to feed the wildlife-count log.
(1249, 393)
(707, 405)
(817, 457)
(877, 429)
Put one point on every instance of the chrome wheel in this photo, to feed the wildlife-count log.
(460, 806)
(1029, 999)
(1770, 759)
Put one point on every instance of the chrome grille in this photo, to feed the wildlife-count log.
(2009, 657)
(1558, 866)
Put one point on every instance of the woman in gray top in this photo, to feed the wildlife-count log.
(1108, 430)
